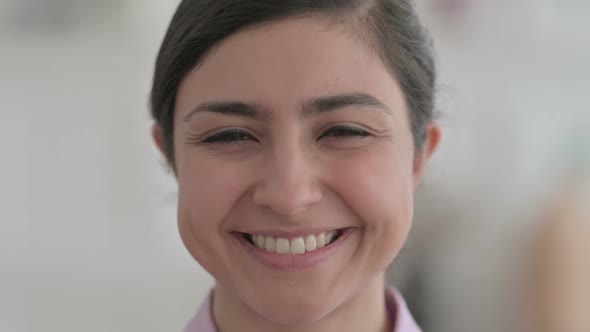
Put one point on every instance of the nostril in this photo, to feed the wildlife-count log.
(287, 195)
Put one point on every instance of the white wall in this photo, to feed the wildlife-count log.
(514, 79)
(88, 239)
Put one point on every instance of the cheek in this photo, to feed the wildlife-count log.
(207, 192)
(378, 188)
(208, 187)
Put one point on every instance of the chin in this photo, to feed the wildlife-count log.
(294, 316)
(295, 312)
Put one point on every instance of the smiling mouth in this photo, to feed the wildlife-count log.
(296, 246)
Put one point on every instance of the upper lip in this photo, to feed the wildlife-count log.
(290, 234)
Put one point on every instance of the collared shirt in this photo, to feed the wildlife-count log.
(397, 310)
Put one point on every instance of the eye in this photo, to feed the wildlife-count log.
(345, 131)
(229, 136)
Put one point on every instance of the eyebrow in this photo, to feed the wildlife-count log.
(236, 108)
(310, 108)
(332, 103)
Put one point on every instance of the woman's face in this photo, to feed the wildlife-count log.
(283, 133)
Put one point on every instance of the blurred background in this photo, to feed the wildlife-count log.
(88, 238)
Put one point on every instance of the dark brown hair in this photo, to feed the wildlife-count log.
(391, 27)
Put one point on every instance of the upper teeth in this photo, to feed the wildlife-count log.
(298, 245)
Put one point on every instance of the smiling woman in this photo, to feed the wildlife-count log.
(298, 132)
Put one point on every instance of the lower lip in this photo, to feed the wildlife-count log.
(295, 261)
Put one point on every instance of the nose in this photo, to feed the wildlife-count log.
(289, 183)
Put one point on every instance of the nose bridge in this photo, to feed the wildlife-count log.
(288, 182)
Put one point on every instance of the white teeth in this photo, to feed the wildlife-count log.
(330, 237)
(295, 246)
(260, 241)
(321, 240)
(269, 244)
(310, 243)
(282, 246)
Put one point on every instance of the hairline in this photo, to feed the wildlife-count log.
(361, 22)
(347, 24)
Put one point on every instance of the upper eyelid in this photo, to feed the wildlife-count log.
(346, 126)
(351, 127)
(342, 126)
(226, 130)
(229, 131)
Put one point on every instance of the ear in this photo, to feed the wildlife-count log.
(423, 155)
(160, 141)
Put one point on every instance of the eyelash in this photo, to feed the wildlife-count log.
(229, 136)
(345, 131)
(238, 135)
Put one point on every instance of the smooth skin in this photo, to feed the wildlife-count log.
(292, 125)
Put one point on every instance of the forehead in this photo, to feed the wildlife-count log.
(280, 64)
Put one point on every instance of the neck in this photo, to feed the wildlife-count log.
(364, 311)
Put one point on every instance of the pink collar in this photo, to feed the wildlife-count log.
(396, 307)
